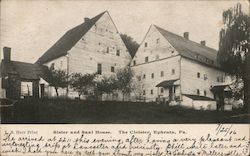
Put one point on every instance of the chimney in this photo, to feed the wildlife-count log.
(6, 54)
(203, 43)
(186, 35)
(86, 19)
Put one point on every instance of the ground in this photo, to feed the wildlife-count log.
(107, 112)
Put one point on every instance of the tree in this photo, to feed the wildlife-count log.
(57, 78)
(138, 87)
(83, 84)
(131, 45)
(124, 80)
(234, 46)
(106, 85)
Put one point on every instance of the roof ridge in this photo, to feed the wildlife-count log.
(184, 38)
(68, 40)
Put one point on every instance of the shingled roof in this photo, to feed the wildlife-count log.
(24, 70)
(68, 40)
(191, 49)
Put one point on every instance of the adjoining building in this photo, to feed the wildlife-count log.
(93, 46)
(178, 71)
(21, 79)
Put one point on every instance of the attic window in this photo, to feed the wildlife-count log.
(107, 49)
(112, 69)
(117, 52)
(162, 73)
(205, 76)
(198, 75)
(158, 40)
(173, 71)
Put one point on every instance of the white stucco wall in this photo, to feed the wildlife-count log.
(190, 82)
(198, 104)
(91, 49)
(162, 57)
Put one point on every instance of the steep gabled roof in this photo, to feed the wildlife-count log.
(24, 70)
(68, 40)
(191, 49)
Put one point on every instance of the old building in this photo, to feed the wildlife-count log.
(93, 46)
(21, 79)
(178, 71)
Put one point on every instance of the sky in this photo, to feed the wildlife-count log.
(31, 27)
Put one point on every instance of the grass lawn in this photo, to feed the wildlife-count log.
(107, 112)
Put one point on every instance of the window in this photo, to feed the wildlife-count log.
(117, 52)
(107, 49)
(198, 75)
(218, 79)
(99, 43)
(26, 89)
(162, 73)
(205, 76)
(173, 71)
(112, 69)
(146, 44)
(99, 68)
(152, 91)
(221, 78)
(134, 62)
(152, 75)
(205, 93)
(144, 92)
(146, 59)
(144, 76)
(162, 90)
(198, 91)
(157, 40)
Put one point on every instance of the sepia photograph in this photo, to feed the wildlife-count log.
(124, 62)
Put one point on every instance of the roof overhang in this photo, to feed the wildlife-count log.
(198, 97)
(168, 83)
(220, 88)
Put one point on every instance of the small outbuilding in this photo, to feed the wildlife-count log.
(199, 102)
(21, 79)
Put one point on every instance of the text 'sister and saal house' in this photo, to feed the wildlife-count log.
(168, 68)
